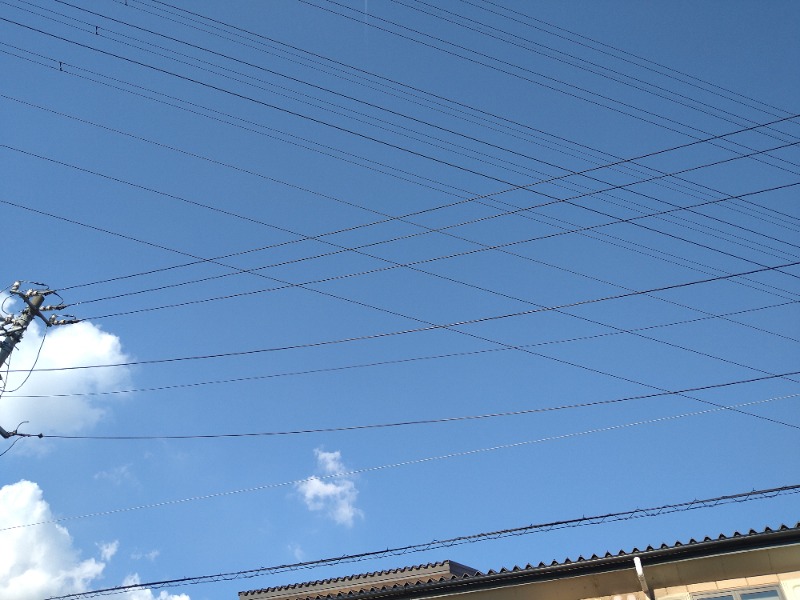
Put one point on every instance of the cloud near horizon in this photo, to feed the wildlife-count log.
(335, 495)
(42, 561)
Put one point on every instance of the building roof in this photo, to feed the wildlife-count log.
(360, 583)
(446, 576)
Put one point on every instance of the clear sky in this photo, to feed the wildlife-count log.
(292, 216)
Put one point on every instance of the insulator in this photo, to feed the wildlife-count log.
(53, 307)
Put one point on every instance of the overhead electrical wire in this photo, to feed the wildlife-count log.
(538, 307)
(637, 513)
(683, 348)
(459, 238)
(30, 371)
(293, 78)
(343, 248)
(222, 55)
(373, 469)
(14, 443)
(263, 103)
(551, 87)
(404, 360)
(555, 200)
(430, 326)
(115, 55)
(549, 357)
(527, 18)
(361, 115)
(550, 180)
(423, 329)
(575, 61)
(239, 95)
(433, 326)
(243, 124)
(391, 265)
(97, 32)
(361, 73)
(691, 413)
(206, 19)
(440, 421)
(449, 327)
(488, 26)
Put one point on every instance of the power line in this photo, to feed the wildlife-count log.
(659, 200)
(465, 112)
(315, 290)
(306, 83)
(626, 53)
(214, 208)
(340, 248)
(427, 328)
(391, 266)
(414, 92)
(450, 327)
(217, 88)
(360, 116)
(551, 87)
(327, 90)
(637, 513)
(412, 359)
(524, 43)
(373, 469)
(202, 83)
(263, 103)
(433, 326)
(440, 421)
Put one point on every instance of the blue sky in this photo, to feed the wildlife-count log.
(291, 216)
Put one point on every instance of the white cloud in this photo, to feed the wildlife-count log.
(148, 594)
(329, 462)
(335, 495)
(42, 561)
(107, 551)
(64, 346)
(38, 561)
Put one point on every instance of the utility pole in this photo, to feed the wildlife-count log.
(13, 327)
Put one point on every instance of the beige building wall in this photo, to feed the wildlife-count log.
(789, 584)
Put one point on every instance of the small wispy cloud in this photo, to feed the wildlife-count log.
(108, 550)
(151, 556)
(145, 594)
(333, 493)
(297, 551)
(117, 475)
